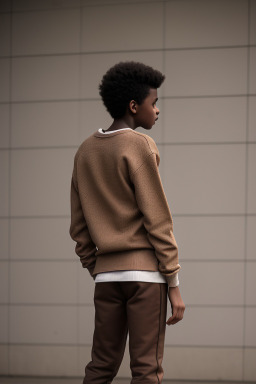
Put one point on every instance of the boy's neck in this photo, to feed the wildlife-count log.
(125, 122)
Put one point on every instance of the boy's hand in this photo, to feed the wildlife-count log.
(178, 307)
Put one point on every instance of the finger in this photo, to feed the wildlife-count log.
(176, 317)
(169, 321)
(172, 320)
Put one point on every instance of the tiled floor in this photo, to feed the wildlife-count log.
(35, 380)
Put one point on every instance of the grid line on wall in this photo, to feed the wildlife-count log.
(65, 260)
(173, 345)
(164, 84)
(109, 52)
(246, 188)
(67, 100)
(84, 99)
(174, 215)
(9, 200)
(60, 147)
(83, 305)
(79, 125)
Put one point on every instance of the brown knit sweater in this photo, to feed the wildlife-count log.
(120, 217)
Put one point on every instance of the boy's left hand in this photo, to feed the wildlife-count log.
(177, 304)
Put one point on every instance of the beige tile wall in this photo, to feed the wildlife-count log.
(208, 23)
(52, 57)
(30, 37)
(4, 128)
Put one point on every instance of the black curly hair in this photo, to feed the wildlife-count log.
(127, 81)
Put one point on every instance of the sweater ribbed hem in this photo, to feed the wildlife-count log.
(136, 259)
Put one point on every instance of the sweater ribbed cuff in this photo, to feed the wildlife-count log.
(173, 280)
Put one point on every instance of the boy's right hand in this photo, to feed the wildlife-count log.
(177, 304)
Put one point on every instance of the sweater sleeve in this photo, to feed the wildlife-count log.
(158, 222)
(85, 248)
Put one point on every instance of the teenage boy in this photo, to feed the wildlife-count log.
(121, 222)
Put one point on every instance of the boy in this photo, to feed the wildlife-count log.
(122, 225)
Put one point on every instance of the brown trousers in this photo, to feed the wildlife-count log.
(136, 308)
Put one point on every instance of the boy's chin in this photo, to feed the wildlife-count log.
(147, 128)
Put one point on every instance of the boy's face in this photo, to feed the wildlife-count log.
(147, 112)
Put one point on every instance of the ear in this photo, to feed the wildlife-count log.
(133, 106)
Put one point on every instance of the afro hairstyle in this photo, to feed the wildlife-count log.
(127, 81)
